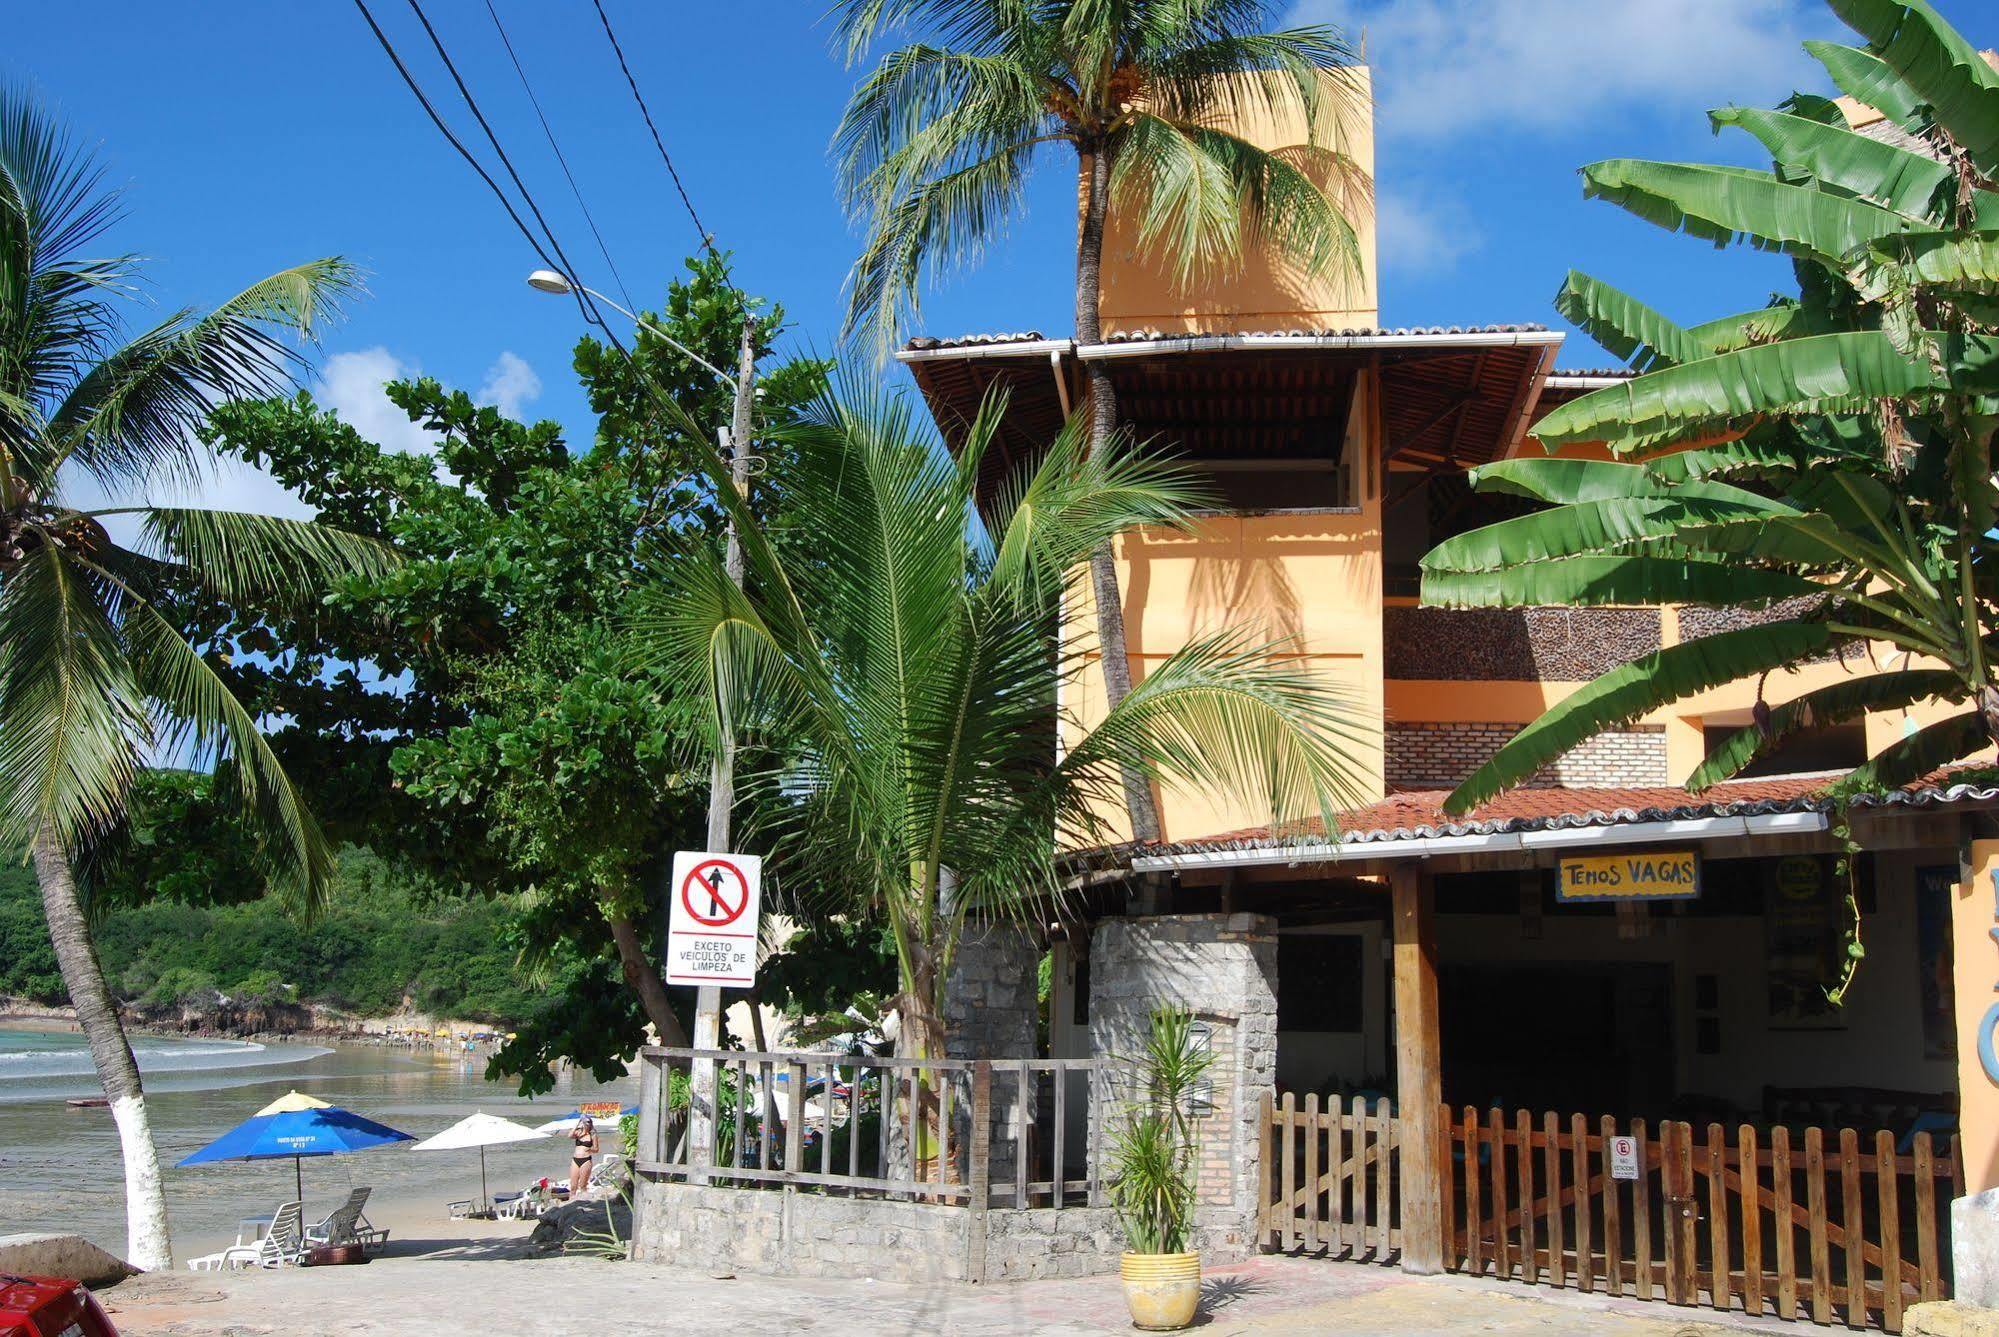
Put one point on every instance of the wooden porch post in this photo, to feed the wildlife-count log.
(1419, 1093)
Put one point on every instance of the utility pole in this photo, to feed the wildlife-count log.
(702, 1108)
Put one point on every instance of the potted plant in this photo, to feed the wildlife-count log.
(1152, 1174)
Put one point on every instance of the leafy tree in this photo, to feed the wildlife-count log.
(95, 678)
(472, 714)
(1840, 466)
(910, 672)
(937, 142)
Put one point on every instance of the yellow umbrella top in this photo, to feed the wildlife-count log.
(291, 1102)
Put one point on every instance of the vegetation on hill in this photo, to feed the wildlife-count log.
(377, 945)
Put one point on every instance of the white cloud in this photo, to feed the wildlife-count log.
(510, 385)
(351, 385)
(1423, 234)
(1458, 67)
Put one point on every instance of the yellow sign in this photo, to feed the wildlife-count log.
(1647, 875)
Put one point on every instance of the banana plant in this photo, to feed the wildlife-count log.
(1825, 459)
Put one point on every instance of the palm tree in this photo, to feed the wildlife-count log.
(95, 680)
(1842, 440)
(909, 662)
(936, 144)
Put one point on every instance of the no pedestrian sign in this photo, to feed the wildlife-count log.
(711, 930)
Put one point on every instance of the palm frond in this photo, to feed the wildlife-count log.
(246, 558)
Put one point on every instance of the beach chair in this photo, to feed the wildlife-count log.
(609, 1169)
(346, 1224)
(283, 1246)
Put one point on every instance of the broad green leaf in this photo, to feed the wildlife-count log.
(1868, 80)
(1930, 748)
(1835, 704)
(1938, 65)
(1755, 458)
(1894, 178)
(1815, 374)
(1585, 527)
(1632, 331)
(1763, 326)
(1728, 204)
(1635, 689)
(1580, 582)
(1563, 481)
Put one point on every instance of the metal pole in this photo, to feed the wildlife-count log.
(702, 1112)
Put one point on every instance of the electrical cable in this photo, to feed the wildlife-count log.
(560, 158)
(707, 241)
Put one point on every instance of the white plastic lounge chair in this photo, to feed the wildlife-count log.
(283, 1246)
(346, 1224)
(607, 1170)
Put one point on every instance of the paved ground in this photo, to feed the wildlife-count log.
(484, 1286)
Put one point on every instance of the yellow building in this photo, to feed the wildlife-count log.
(1453, 961)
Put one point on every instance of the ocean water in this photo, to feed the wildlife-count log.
(60, 1167)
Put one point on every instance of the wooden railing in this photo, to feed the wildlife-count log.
(861, 1124)
(1330, 1178)
(1790, 1225)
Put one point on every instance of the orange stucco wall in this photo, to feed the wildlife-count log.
(1260, 291)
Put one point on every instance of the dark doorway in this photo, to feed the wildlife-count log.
(1583, 1038)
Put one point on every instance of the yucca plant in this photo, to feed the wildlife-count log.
(1154, 1148)
(938, 141)
(1827, 457)
(96, 680)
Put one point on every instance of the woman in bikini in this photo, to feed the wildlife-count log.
(583, 1151)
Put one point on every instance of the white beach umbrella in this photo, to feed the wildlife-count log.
(479, 1130)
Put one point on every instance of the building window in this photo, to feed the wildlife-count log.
(1319, 982)
(1839, 747)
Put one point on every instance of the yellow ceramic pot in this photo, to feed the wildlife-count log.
(1162, 1290)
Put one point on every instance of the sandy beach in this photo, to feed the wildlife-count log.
(60, 1167)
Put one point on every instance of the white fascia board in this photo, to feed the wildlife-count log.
(1559, 381)
(1216, 343)
(1581, 837)
(1025, 348)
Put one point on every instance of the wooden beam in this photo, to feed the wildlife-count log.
(1419, 1088)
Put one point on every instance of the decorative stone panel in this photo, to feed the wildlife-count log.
(1223, 968)
(1699, 620)
(1514, 644)
(1439, 755)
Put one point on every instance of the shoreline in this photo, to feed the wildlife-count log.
(404, 1030)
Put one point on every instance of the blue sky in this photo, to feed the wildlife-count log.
(252, 135)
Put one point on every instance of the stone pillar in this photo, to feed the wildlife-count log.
(991, 1011)
(1223, 968)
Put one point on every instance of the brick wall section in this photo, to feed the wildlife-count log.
(1514, 644)
(1439, 755)
(1223, 968)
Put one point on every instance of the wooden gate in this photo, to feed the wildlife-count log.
(1775, 1223)
(1329, 1178)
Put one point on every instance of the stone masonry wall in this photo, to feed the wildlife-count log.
(1514, 644)
(1439, 755)
(1224, 969)
(990, 1011)
(789, 1233)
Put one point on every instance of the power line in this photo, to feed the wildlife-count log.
(388, 48)
(589, 308)
(568, 175)
(707, 241)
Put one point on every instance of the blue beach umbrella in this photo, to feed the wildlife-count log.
(296, 1126)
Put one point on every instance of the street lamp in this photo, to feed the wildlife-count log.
(561, 285)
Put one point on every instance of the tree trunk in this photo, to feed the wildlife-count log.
(1113, 654)
(147, 1242)
(643, 977)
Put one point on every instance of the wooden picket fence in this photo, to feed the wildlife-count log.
(1790, 1226)
(1329, 1178)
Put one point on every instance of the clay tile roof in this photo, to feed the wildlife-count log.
(977, 340)
(928, 343)
(1419, 814)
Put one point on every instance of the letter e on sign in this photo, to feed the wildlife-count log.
(712, 921)
(1623, 1153)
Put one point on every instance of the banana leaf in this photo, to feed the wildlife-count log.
(1828, 705)
(1928, 749)
(1585, 527)
(1633, 332)
(1816, 374)
(1870, 81)
(1579, 582)
(1635, 689)
(1938, 66)
(1563, 481)
(1894, 178)
(1727, 204)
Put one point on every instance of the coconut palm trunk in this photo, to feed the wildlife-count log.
(1114, 658)
(147, 1242)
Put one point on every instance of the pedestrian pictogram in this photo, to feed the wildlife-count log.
(711, 935)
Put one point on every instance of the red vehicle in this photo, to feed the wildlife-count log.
(50, 1307)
